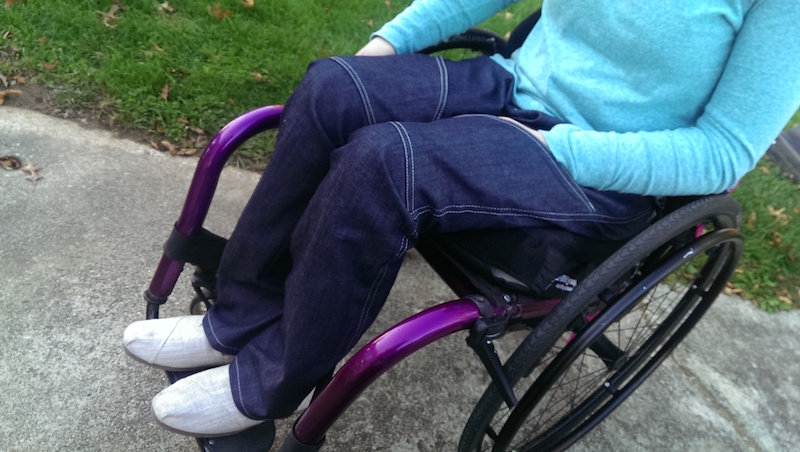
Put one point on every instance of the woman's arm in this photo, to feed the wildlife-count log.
(757, 94)
(427, 22)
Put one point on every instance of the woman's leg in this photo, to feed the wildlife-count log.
(390, 183)
(336, 98)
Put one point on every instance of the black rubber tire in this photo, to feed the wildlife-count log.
(643, 254)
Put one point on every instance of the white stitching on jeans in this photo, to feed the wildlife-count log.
(362, 91)
(444, 87)
(374, 289)
(213, 333)
(239, 390)
(512, 212)
(408, 149)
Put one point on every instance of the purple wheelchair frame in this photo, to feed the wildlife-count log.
(373, 359)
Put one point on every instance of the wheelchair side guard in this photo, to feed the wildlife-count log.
(201, 192)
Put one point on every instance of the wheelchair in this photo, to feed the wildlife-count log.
(628, 305)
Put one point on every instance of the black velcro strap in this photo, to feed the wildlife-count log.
(203, 248)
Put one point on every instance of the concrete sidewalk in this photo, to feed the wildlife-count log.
(78, 248)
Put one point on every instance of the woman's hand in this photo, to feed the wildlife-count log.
(377, 46)
(536, 134)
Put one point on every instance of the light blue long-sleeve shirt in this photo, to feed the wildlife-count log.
(667, 97)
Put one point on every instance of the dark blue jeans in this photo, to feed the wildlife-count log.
(372, 153)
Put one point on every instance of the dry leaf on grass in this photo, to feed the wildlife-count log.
(218, 13)
(8, 92)
(165, 91)
(165, 8)
(4, 81)
(751, 219)
(260, 78)
(50, 66)
(109, 19)
(248, 3)
(779, 215)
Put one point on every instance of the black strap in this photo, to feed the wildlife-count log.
(202, 248)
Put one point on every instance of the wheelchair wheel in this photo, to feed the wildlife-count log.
(609, 335)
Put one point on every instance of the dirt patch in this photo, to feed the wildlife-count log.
(43, 99)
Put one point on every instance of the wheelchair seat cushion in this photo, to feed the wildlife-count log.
(543, 262)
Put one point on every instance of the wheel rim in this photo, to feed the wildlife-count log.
(612, 354)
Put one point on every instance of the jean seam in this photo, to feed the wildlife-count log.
(564, 176)
(513, 212)
(374, 289)
(408, 150)
(443, 90)
(362, 91)
(216, 339)
(239, 392)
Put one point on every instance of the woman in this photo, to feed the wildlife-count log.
(605, 106)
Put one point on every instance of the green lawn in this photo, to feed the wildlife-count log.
(181, 70)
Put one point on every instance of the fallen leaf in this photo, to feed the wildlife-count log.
(187, 151)
(165, 91)
(751, 219)
(10, 3)
(259, 77)
(218, 13)
(160, 49)
(4, 81)
(10, 163)
(183, 121)
(248, 3)
(368, 22)
(30, 168)
(796, 210)
(154, 145)
(764, 169)
(509, 15)
(109, 19)
(777, 239)
(8, 35)
(165, 8)
(779, 215)
(50, 66)
(19, 79)
(44, 40)
(8, 92)
(388, 4)
(785, 300)
(170, 148)
(34, 177)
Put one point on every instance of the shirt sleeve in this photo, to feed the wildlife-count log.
(427, 22)
(757, 94)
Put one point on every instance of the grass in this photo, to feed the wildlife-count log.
(219, 67)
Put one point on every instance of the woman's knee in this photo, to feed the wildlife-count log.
(376, 154)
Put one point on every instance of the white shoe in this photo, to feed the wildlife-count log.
(201, 405)
(175, 344)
